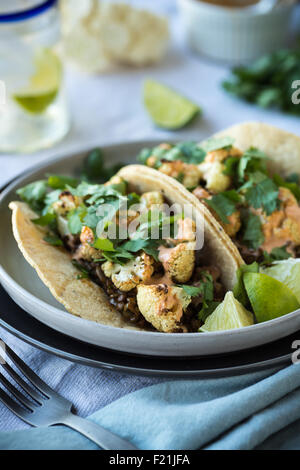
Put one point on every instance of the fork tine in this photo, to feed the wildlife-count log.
(31, 376)
(13, 406)
(12, 389)
(30, 390)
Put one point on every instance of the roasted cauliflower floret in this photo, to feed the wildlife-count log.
(188, 175)
(179, 262)
(186, 230)
(163, 306)
(66, 203)
(125, 218)
(234, 224)
(153, 159)
(215, 179)
(222, 154)
(87, 235)
(201, 193)
(153, 198)
(134, 272)
(85, 250)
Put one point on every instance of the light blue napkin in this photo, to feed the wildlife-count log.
(232, 413)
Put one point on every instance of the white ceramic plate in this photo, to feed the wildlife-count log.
(26, 289)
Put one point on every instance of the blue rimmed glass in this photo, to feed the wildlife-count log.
(33, 111)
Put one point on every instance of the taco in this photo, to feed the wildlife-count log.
(248, 178)
(72, 233)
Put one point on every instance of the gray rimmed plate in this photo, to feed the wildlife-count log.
(26, 289)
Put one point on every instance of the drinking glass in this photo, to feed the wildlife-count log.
(33, 110)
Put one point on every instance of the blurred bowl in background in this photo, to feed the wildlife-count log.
(236, 34)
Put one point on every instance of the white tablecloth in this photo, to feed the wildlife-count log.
(108, 109)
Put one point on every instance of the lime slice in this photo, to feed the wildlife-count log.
(167, 108)
(269, 298)
(287, 272)
(229, 315)
(44, 84)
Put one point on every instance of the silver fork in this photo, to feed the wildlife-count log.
(46, 407)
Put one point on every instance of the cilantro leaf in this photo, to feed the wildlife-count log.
(75, 220)
(263, 195)
(53, 240)
(277, 254)
(187, 152)
(253, 234)
(33, 194)
(61, 182)
(94, 168)
(267, 82)
(192, 291)
(192, 152)
(224, 204)
(44, 220)
(217, 143)
(104, 244)
(293, 178)
(253, 160)
(291, 185)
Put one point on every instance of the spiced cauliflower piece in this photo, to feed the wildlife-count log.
(85, 250)
(234, 224)
(128, 276)
(163, 306)
(179, 262)
(215, 179)
(188, 174)
(152, 198)
(186, 230)
(211, 170)
(66, 203)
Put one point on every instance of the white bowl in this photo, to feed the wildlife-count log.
(234, 35)
(20, 280)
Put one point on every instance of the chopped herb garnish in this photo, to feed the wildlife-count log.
(34, 194)
(53, 240)
(61, 182)
(267, 82)
(104, 244)
(192, 291)
(45, 220)
(253, 160)
(187, 152)
(263, 195)
(224, 204)
(217, 143)
(252, 235)
(293, 186)
(95, 169)
(277, 254)
(75, 219)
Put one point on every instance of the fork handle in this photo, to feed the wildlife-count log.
(103, 438)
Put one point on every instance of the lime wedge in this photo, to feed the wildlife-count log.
(229, 315)
(287, 272)
(269, 298)
(44, 84)
(167, 108)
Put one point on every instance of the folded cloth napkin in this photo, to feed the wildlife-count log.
(226, 413)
